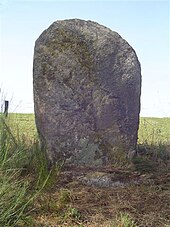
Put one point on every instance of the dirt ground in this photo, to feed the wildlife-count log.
(89, 197)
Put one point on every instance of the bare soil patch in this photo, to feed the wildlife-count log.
(74, 202)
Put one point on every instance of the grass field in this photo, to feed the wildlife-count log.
(151, 130)
(31, 196)
(154, 130)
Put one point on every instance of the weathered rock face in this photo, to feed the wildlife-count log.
(87, 83)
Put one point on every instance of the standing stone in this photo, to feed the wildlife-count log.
(87, 85)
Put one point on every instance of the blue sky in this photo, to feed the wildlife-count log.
(144, 24)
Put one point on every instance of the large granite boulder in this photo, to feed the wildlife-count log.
(87, 85)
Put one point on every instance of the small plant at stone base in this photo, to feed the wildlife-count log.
(123, 220)
(120, 159)
(64, 196)
(64, 200)
(72, 214)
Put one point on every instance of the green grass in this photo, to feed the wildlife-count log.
(123, 219)
(18, 159)
(153, 145)
(151, 130)
(153, 140)
(154, 131)
(28, 191)
(23, 125)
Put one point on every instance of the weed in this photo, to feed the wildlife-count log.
(123, 220)
(73, 214)
(120, 159)
(64, 197)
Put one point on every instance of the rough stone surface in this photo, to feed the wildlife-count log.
(87, 85)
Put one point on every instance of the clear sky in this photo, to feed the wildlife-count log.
(144, 24)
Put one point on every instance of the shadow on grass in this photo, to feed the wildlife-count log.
(152, 158)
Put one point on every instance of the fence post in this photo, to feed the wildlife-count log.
(6, 108)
